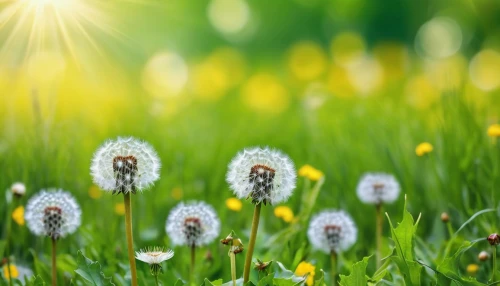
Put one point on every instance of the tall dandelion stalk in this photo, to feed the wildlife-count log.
(264, 176)
(332, 231)
(53, 213)
(154, 256)
(377, 189)
(125, 166)
(193, 224)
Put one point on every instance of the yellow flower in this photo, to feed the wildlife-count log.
(305, 268)
(94, 192)
(423, 148)
(494, 130)
(120, 208)
(18, 215)
(177, 193)
(13, 272)
(310, 172)
(284, 213)
(307, 60)
(234, 204)
(472, 269)
(263, 92)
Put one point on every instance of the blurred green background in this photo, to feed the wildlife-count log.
(348, 86)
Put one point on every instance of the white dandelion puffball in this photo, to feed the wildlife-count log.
(264, 175)
(154, 255)
(18, 189)
(332, 230)
(125, 165)
(377, 188)
(53, 213)
(194, 223)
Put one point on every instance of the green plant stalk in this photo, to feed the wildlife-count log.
(378, 238)
(251, 243)
(494, 270)
(156, 280)
(193, 259)
(450, 229)
(54, 263)
(232, 256)
(130, 239)
(333, 258)
(7, 246)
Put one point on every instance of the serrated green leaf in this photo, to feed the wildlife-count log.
(213, 283)
(36, 281)
(267, 280)
(358, 274)
(91, 271)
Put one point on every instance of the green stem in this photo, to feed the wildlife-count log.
(54, 263)
(193, 259)
(156, 280)
(378, 235)
(333, 257)
(7, 246)
(130, 238)
(494, 270)
(251, 243)
(450, 229)
(232, 256)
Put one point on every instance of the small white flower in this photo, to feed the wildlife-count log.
(332, 230)
(54, 213)
(377, 188)
(154, 255)
(125, 165)
(195, 223)
(264, 175)
(18, 189)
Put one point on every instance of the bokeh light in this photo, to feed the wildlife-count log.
(307, 60)
(484, 70)
(165, 74)
(263, 92)
(348, 49)
(438, 38)
(228, 16)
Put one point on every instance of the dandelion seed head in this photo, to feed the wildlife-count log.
(154, 255)
(18, 189)
(377, 188)
(125, 165)
(53, 213)
(332, 230)
(264, 175)
(194, 223)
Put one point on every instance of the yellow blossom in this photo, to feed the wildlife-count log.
(307, 60)
(472, 269)
(284, 213)
(423, 148)
(177, 193)
(94, 192)
(310, 172)
(494, 130)
(306, 268)
(13, 272)
(18, 215)
(120, 208)
(264, 92)
(234, 204)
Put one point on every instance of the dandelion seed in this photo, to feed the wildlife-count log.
(332, 231)
(264, 175)
(154, 256)
(18, 189)
(193, 224)
(125, 165)
(377, 188)
(53, 213)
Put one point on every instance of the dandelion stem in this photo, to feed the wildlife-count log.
(130, 239)
(156, 280)
(494, 270)
(54, 263)
(251, 243)
(378, 234)
(232, 256)
(333, 257)
(193, 259)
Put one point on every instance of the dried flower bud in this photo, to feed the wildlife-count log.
(483, 256)
(494, 239)
(262, 266)
(445, 217)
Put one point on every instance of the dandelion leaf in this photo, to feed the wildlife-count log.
(90, 271)
(213, 283)
(36, 281)
(267, 280)
(320, 281)
(358, 274)
(179, 282)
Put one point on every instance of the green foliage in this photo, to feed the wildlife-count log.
(91, 271)
(358, 274)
